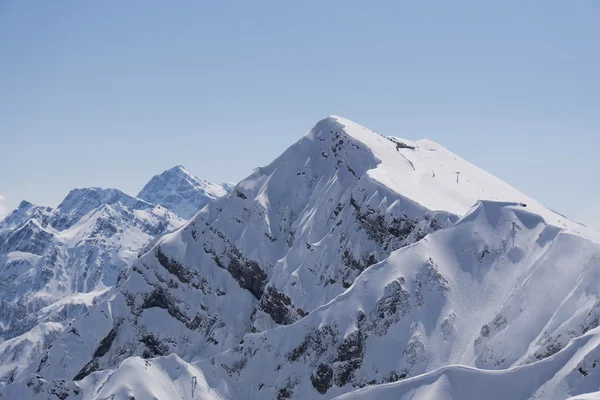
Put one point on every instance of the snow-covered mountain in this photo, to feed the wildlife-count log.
(55, 263)
(181, 192)
(353, 265)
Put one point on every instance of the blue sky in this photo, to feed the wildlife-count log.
(110, 93)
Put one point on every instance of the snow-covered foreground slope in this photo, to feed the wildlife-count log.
(351, 261)
(162, 378)
(572, 370)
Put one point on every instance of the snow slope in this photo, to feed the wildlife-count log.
(463, 295)
(351, 261)
(427, 175)
(552, 378)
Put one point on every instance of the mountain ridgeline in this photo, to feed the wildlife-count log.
(55, 263)
(354, 266)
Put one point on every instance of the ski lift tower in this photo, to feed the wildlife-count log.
(457, 175)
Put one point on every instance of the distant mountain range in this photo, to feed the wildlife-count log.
(353, 266)
(54, 263)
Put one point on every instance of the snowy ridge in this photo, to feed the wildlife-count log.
(352, 265)
(548, 378)
(427, 175)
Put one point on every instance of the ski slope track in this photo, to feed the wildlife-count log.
(352, 266)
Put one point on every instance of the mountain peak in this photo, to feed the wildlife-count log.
(429, 174)
(24, 205)
(178, 169)
(81, 201)
(180, 191)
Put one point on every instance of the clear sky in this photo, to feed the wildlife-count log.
(109, 93)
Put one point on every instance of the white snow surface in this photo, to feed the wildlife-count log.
(352, 266)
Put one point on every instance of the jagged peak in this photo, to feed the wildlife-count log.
(180, 191)
(24, 205)
(178, 170)
(81, 201)
(421, 171)
(176, 176)
(22, 213)
(97, 196)
(366, 135)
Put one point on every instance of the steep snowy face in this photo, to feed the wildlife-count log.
(571, 372)
(181, 192)
(501, 288)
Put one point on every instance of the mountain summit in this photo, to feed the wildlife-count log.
(352, 265)
(181, 192)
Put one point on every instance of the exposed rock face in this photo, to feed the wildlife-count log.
(321, 378)
(279, 307)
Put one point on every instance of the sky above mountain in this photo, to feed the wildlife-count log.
(109, 94)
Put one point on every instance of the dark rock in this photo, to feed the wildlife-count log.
(279, 306)
(321, 378)
(105, 344)
(173, 267)
(183, 274)
(246, 272)
(284, 393)
(349, 358)
(154, 346)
